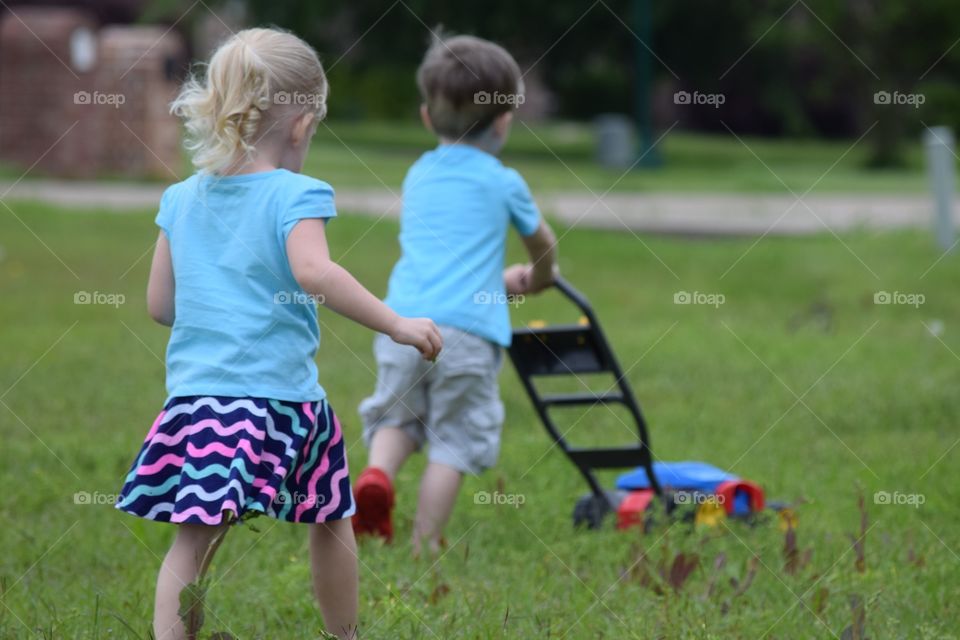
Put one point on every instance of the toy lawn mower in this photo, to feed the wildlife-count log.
(690, 489)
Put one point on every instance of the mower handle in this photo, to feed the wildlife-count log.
(577, 298)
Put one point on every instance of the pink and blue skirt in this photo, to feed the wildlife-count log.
(209, 460)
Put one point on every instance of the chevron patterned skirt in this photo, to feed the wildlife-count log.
(209, 460)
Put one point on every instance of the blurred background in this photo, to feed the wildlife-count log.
(803, 70)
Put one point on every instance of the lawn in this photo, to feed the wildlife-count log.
(877, 411)
(561, 157)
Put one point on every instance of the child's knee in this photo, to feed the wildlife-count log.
(336, 532)
(200, 536)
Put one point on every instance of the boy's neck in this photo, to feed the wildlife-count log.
(487, 144)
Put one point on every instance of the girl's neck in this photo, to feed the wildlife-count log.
(252, 165)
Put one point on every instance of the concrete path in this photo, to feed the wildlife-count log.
(672, 213)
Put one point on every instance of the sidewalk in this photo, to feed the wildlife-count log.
(669, 213)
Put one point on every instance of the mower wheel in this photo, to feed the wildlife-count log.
(591, 509)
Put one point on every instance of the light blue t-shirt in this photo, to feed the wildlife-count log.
(458, 204)
(243, 326)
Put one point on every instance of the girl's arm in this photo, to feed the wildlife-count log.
(160, 287)
(310, 262)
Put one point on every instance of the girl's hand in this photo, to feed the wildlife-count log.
(421, 333)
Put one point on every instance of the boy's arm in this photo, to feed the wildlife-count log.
(161, 286)
(313, 269)
(541, 246)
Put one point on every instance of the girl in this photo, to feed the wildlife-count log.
(240, 261)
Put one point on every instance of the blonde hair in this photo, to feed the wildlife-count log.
(254, 78)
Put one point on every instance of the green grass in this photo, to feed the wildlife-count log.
(560, 157)
(557, 157)
(80, 386)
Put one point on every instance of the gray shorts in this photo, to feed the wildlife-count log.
(452, 405)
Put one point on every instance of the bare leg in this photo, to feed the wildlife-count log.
(389, 449)
(185, 562)
(333, 563)
(438, 493)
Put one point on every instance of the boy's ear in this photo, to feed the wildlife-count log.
(302, 127)
(425, 118)
(501, 125)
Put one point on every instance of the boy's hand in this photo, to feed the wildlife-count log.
(535, 285)
(522, 278)
(421, 333)
(517, 279)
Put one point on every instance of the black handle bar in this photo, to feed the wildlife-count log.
(575, 297)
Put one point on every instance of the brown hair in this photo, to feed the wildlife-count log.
(466, 82)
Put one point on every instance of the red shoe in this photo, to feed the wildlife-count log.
(374, 493)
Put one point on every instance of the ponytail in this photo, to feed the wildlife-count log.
(225, 108)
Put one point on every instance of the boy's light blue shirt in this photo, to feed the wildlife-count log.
(458, 204)
(243, 326)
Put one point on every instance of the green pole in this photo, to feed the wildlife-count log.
(643, 26)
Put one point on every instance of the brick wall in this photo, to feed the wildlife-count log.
(140, 65)
(103, 93)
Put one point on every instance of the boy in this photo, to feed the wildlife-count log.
(458, 204)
